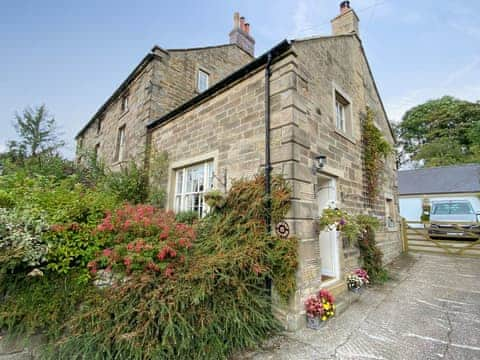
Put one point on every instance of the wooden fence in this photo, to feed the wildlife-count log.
(418, 237)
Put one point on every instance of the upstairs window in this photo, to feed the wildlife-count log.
(191, 184)
(124, 103)
(99, 125)
(202, 81)
(96, 151)
(120, 148)
(342, 111)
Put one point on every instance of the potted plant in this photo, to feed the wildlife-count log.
(319, 309)
(354, 283)
(357, 280)
(363, 275)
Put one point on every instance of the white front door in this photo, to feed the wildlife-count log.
(327, 195)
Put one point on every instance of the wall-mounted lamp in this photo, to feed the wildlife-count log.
(320, 162)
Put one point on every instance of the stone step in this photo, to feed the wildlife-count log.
(337, 288)
(344, 300)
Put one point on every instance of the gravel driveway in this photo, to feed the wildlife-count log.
(431, 310)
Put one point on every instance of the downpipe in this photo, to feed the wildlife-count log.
(268, 165)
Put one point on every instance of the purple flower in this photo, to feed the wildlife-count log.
(342, 222)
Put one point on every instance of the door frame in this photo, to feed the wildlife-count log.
(336, 246)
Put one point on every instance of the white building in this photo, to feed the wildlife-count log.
(441, 183)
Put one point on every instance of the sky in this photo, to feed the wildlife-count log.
(72, 55)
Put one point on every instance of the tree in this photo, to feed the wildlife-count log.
(440, 132)
(37, 131)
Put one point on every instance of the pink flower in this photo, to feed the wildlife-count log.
(107, 252)
(168, 272)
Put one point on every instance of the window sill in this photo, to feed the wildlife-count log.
(119, 162)
(345, 136)
(124, 113)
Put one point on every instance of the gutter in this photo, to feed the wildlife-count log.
(138, 69)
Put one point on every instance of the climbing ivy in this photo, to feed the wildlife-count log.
(376, 149)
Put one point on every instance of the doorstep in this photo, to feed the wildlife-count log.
(343, 297)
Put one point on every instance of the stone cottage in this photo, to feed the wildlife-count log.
(296, 109)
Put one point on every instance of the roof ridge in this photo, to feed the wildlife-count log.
(320, 37)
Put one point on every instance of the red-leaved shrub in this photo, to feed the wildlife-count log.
(144, 239)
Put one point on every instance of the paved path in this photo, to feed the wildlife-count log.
(431, 310)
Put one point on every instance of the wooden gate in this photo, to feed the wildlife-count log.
(418, 237)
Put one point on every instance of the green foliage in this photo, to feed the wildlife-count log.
(215, 303)
(187, 217)
(157, 173)
(42, 164)
(60, 201)
(129, 184)
(72, 247)
(68, 212)
(376, 149)
(372, 256)
(37, 131)
(22, 245)
(6, 200)
(32, 304)
(351, 226)
(440, 132)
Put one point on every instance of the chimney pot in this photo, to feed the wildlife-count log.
(346, 22)
(242, 23)
(247, 28)
(344, 6)
(236, 20)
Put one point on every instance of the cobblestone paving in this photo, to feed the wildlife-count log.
(431, 310)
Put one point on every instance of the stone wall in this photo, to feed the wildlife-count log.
(229, 129)
(168, 80)
(337, 63)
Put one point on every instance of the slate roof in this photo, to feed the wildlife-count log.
(440, 180)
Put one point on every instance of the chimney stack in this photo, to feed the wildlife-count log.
(240, 34)
(346, 22)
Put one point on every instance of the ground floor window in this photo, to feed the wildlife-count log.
(192, 183)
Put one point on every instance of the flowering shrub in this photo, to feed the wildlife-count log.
(322, 305)
(363, 275)
(144, 239)
(178, 316)
(21, 242)
(351, 226)
(357, 279)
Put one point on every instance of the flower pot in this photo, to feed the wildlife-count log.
(357, 290)
(315, 323)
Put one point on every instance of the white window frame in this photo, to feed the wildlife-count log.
(120, 150)
(340, 97)
(340, 115)
(206, 76)
(182, 193)
(124, 103)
